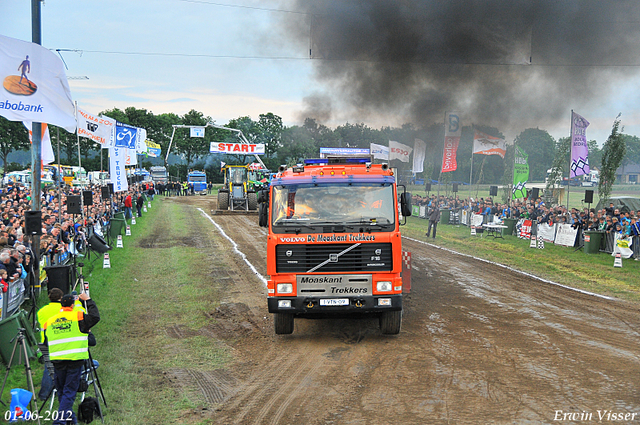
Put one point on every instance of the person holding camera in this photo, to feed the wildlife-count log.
(68, 341)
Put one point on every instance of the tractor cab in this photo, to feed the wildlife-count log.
(237, 194)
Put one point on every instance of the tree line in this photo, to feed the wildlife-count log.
(290, 145)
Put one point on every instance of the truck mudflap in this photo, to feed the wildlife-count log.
(302, 306)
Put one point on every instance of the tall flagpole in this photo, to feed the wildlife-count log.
(78, 138)
(513, 176)
(570, 156)
(36, 142)
(444, 121)
(471, 173)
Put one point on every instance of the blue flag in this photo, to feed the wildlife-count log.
(126, 136)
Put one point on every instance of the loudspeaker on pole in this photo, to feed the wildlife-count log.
(455, 188)
(110, 186)
(87, 198)
(427, 187)
(73, 204)
(535, 193)
(493, 191)
(588, 196)
(105, 192)
(33, 222)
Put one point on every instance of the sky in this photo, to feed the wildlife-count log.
(249, 57)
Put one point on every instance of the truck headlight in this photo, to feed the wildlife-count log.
(285, 288)
(383, 286)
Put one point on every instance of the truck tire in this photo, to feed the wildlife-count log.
(252, 200)
(283, 323)
(223, 200)
(391, 322)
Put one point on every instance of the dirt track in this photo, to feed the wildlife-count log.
(479, 344)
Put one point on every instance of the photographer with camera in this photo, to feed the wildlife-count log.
(67, 338)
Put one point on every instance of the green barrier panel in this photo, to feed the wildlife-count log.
(415, 210)
(8, 330)
(116, 227)
(511, 225)
(445, 215)
(592, 240)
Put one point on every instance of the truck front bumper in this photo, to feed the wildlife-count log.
(310, 306)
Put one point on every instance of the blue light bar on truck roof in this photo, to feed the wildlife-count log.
(339, 160)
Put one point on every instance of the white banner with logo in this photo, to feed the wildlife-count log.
(196, 132)
(565, 235)
(130, 157)
(399, 151)
(94, 127)
(117, 159)
(547, 233)
(237, 148)
(35, 85)
(380, 151)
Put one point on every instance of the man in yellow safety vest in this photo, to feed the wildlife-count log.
(67, 337)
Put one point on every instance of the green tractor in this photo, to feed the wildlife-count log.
(237, 194)
(259, 179)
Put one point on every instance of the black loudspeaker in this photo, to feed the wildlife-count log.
(105, 193)
(588, 196)
(33, 222)
(87, 198)
(427, 187)
(110, 186)
(59, 277)
(535, 193)
(73, 204)
(455, 187)
(493, 191)
(98, 244)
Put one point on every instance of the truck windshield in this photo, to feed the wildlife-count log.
(197, 178)
(308, 204)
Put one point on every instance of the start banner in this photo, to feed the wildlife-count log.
(237, 148)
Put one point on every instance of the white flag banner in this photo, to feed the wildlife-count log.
(94, 127)
(197, 132)
(130, 157)
(379, 151)
(117, 158)
(46, 149)
(35, 85)
(419, 152)
(399, 151)
(141, 145)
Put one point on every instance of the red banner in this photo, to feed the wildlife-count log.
(452, 134)
(525, 230)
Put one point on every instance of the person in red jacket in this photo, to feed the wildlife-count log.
(128, 204)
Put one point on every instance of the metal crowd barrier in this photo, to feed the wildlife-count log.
(13, 298)
(609, 242)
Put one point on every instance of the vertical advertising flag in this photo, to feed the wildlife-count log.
(141, 137)
(94, 127)
(452, 134)
(419, 151)
(35, 85)
(483, 144)
(520, 174)
(579, 148)
(130, 157)
(399, 151)
(379, 151)
(46, 148)
(117, 158)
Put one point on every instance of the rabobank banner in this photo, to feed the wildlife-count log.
(117, 160)
(35, 87)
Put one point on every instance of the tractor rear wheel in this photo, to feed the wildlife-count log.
(252, 199)
(223, 200)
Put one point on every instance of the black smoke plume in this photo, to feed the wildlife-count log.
(506, 63)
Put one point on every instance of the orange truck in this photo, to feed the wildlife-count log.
(334, 246)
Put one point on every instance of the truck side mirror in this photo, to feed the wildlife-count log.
(405, 204)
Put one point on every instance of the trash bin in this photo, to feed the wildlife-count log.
(115, 227)
(511, 225)
(592, 240)
(8, 331)
(445, 215)
(119, 215)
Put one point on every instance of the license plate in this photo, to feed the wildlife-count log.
(334, 302)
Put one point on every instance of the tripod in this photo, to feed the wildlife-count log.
(90, 374)
(19, 339)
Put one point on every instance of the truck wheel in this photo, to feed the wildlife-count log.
(252, 199)
(283, 323)
(391, 322)
(223, 200)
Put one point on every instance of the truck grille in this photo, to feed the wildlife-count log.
(366, 257)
